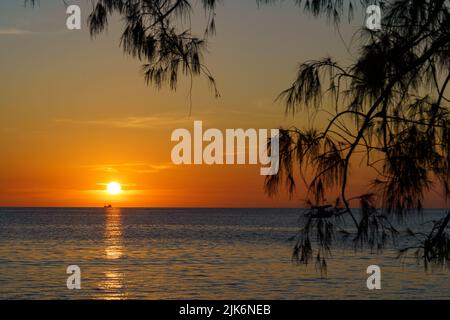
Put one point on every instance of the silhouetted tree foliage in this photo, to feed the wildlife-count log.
(394, 94)
(158, 33)
(388, 107)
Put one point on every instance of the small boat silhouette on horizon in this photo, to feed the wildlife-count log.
(108, 206)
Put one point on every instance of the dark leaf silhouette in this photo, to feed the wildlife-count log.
(391, 108)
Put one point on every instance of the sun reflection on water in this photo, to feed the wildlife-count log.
(112, 283)
(113, 234)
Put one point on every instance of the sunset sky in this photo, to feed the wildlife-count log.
(75, 113)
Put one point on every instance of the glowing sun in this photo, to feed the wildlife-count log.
(114, 188)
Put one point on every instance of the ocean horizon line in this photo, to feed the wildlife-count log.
(181, 207)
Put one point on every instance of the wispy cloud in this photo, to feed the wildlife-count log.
(14, 31)
(138, 167)
(130, 122)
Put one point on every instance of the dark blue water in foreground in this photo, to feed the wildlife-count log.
(190, 254)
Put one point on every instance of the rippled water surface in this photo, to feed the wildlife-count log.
(187, 254)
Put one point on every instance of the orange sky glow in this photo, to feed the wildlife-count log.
(75, 113)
